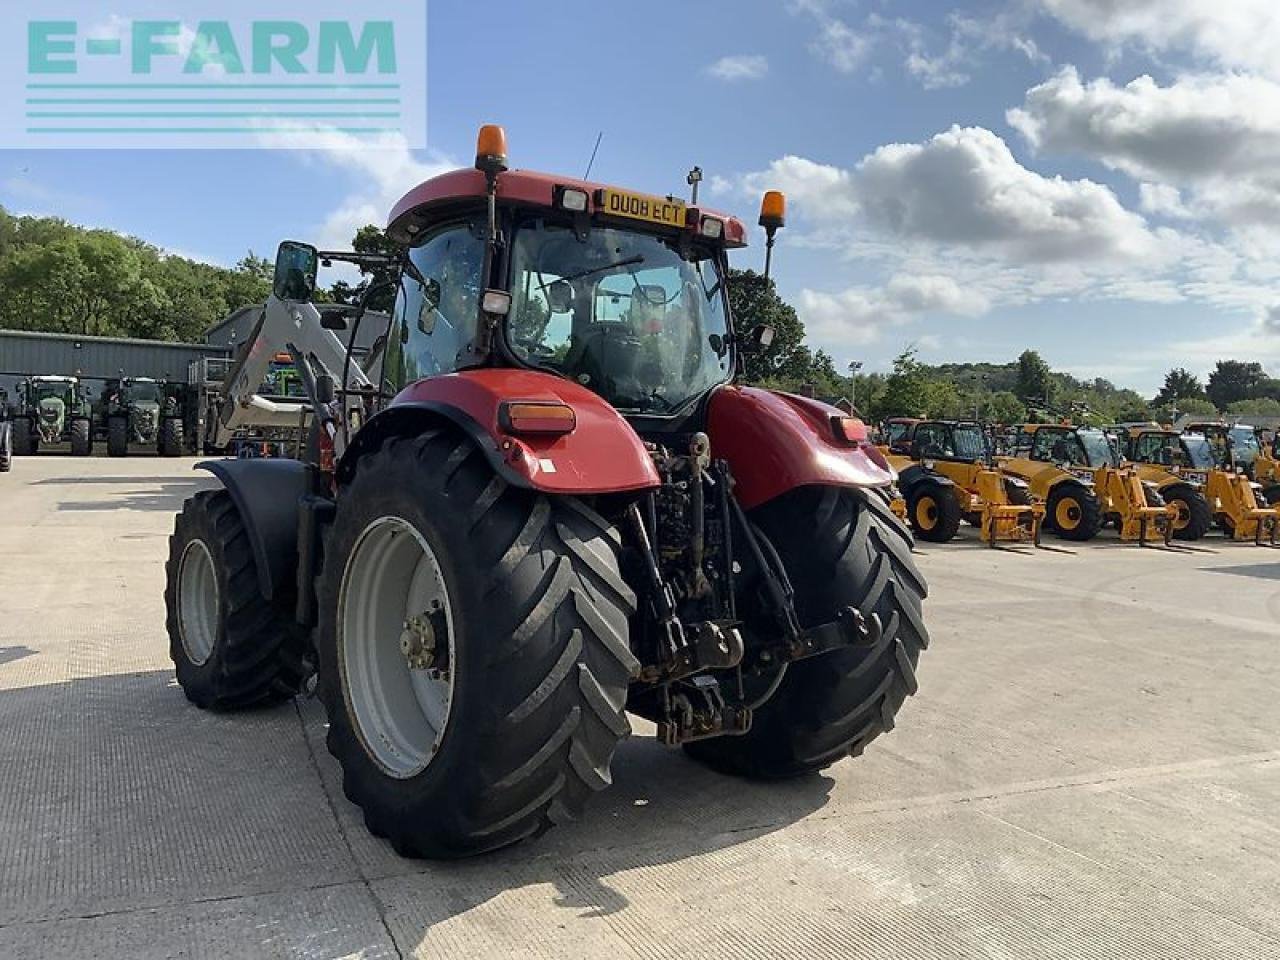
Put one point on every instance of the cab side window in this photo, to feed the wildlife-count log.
(435, 324)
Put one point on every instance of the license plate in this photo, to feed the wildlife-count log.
(637, 206)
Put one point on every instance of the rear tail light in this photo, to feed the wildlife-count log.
(849, 429)
(518, 416)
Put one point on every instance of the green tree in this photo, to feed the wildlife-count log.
(907, 392)
(1034, 377)
(754, 300)
(372, 240)
(1179, 384)
(1257, 407)
(1003, 407)
(1233, 380)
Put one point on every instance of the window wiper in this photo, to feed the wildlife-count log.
(630, 262)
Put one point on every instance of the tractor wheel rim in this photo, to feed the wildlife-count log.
(391, 586)
(927, 513)
(1068, 514)
(197, 602)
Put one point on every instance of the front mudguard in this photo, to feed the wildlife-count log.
(915, 475)
(267, 493)
(775, 442)
(602, 455)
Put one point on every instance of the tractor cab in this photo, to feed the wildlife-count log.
(1080, 450)
(1231, 447)
(956, 441)
(619, 292)
(897, 434)
(1187, 455)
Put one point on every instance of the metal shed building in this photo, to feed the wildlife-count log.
(94, 359)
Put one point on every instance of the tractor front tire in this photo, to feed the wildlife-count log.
(231, 647)
(81, 438)
(840, 548)
(504, 720)
(171, 437)
(25, 442)
(118, 437)
(1073, 512)
(1194, 518)
(934, 511)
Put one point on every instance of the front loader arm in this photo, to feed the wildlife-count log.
(285, 326)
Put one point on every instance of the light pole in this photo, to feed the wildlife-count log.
(854, 367)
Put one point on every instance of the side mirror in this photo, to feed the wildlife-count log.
(333, 320)
(760, 337)
(296, 268)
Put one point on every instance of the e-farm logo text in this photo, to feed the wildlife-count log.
(206, 78)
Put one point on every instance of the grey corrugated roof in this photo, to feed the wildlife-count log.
(76, 338)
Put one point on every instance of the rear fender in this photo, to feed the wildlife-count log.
(267, 494)
(775, 442)
(603, 454)
(915, 475)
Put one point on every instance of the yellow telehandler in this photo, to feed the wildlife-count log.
(1049, 455)
(944, 477)
(1178, 463)
(1238, 504)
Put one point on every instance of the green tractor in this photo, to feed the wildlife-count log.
(51, 410)
(139, 410)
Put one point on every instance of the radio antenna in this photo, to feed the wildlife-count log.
(594, 150)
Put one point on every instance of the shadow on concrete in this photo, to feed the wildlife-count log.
(1262, 571)
(662, 808)
(168, 498)
(10, 654)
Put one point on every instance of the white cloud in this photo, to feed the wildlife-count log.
(383, 170)
(860, 315)
(840, 45)
(1162, 200)
(1197, 126)
(1216, 136)
(821, 190)
(1230, 33)
(745, 66)
(964, 187)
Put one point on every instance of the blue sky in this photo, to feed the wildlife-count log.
(1119, 225)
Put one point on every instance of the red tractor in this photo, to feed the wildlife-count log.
(542, 504)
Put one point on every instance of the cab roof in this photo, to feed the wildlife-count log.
(514, 186)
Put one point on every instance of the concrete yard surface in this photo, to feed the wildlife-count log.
(1090, 769)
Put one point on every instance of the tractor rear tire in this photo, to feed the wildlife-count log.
(1271, 495)
(1195, 519)
(25, 442)
(840, 547)
(81, 438)
(1073, 512)
(934, 512)
(528, 614)
(171, 437)
(118, 437)
(231, 647)
(6, 448)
